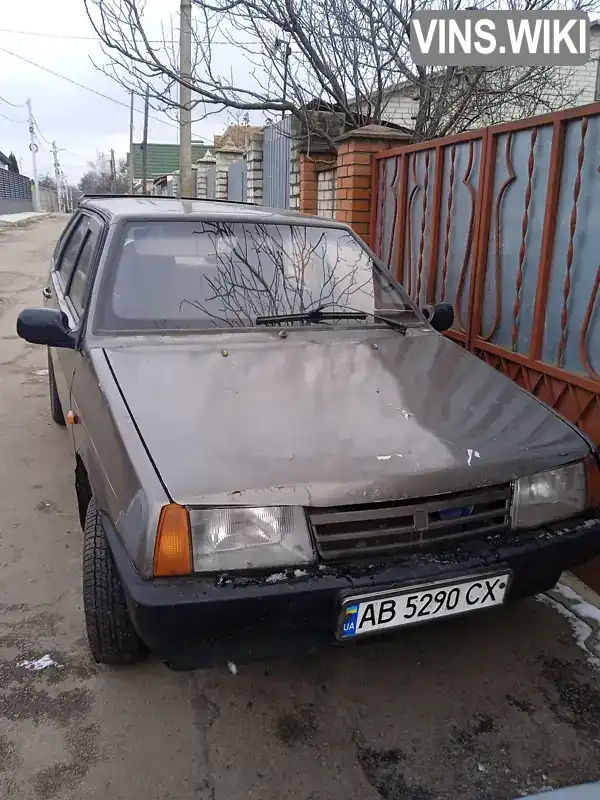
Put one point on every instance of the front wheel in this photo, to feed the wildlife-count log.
(111, 635)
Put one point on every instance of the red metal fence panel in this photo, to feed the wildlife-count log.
(504, 223)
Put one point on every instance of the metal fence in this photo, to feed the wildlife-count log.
(237, 181)
(502, 222)
(15, 192)
(277, 152)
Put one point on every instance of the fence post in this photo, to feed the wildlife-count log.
(483, 218)
(547, 243)
(355, 192)
(254, 165)
(435, 226)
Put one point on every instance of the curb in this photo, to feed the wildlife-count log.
(22, 223)
(581, 605)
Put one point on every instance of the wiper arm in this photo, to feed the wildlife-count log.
(397, 326)
(316, 315)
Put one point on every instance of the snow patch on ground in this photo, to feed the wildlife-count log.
(566, 592)
(583, 633)
(36, 664)
(276, 577)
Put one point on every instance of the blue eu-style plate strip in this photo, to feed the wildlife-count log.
(350, 619)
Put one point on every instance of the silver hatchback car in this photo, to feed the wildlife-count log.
(276, 449)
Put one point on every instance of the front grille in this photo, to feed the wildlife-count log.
(411, 525)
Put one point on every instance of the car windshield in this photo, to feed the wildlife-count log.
(199, 275)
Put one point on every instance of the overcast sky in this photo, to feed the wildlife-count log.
(81, 123)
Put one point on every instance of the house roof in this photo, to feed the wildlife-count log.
(162, 158)
(4, 159)
(238, 134)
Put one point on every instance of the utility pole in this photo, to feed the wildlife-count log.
(66, 189)
(186, 181)
(113, 171)
(34, 148)
(57, 177)
(145, 141)
(286, 57)
(131, 158)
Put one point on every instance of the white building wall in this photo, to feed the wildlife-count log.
(402, 109)
(326, 194)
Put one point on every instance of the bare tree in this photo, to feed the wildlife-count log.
(98, 178)
(347, 57)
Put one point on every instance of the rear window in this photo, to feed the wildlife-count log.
(206, 275)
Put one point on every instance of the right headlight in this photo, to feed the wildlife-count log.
(237, 538)
(550, 496)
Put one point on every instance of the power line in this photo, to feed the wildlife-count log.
(10, 119)
(39, 131)
(87, 88)
(95, 38)
(71, 153)
(14, 105)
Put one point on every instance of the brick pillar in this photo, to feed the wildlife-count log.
(308, 181)
(224, 156)
(353, 189)
(254, 169)
(202, 176)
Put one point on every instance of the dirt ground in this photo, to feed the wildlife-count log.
(488, 707)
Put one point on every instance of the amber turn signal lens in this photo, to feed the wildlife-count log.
(593, 479)
(173, 549)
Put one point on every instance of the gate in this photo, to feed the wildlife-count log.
(237, 181)
(502, 223)
(211, 182)
(277, 153)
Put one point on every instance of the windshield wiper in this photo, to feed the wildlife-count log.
(316, 315)
(397, 326)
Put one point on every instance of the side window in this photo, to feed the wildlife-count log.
(63, 236)
(66, 262)
(77, 289)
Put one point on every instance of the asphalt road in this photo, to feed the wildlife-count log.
(488, 707)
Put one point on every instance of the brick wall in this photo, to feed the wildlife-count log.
(326, 193)
(202, 179)
(308, 180)
(401, 109)
(295, 175)
(223, 159)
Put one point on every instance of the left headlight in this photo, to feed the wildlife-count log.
(234, 538)
(549, 496)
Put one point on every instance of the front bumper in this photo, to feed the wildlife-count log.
(201, 621)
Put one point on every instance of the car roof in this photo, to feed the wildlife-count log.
(142, 207)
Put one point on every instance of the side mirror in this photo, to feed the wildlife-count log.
(440, 316)
(45, 326)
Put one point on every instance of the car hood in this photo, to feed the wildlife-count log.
(331, 418)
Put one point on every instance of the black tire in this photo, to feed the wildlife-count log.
(111, 635)
(56, 411)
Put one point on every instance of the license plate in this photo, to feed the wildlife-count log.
(379, 611)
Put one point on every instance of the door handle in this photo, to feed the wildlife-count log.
(47, 292)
